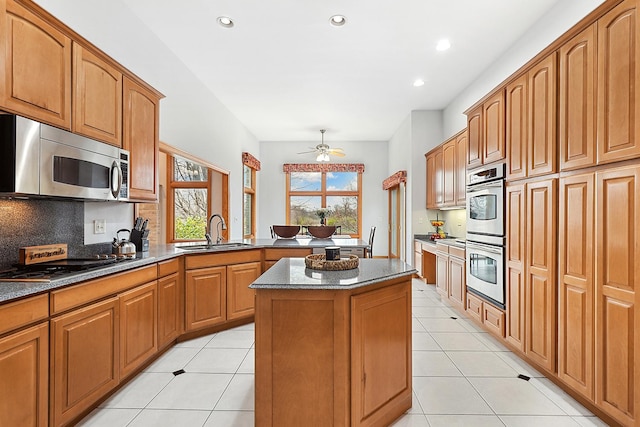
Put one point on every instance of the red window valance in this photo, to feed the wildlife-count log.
(249, 160)
(395, 179)
(323, 167)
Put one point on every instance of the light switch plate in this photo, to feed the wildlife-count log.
(99, 226)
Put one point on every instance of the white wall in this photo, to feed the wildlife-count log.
(191, 117)
(552, 25)
(272, 192)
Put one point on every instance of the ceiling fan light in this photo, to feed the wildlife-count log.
(322, 157)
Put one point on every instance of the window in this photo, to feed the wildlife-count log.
(250, 166)
(189, 201)
(329, 193)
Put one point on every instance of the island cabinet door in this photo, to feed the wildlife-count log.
(381, 355)
(205, 292)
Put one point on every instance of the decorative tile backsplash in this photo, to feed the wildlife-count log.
(39, 222)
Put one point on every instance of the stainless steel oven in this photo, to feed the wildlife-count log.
(486, 233)
(485, 201)
(485, 271)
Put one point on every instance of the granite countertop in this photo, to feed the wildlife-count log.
(451, 241)
(291, 273)
(14, 290)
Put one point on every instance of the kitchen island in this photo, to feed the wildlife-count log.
(333, 347)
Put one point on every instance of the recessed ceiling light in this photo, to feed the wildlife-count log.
(225, 21)
(337, 20)
(418, 83)
(443, 45)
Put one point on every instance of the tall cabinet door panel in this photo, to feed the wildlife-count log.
(448, 173)
(474, 127)
(577, 97)
(36, 69)
(618, 77)
(515, 262)
(140, 137)
(205, 295)
(97, 97)
(84, 359)
(517, 128)
(24, 383)
(618, 274)
(576, 293)
(431, 181)
(439, 177)
(541, 153)
(540, 283)
(461, 170)
(493, 137)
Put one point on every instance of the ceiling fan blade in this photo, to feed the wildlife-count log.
(336, 153)
(307, 152)
(337, 149)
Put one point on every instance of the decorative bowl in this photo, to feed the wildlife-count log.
(286, 231)
(321, 231)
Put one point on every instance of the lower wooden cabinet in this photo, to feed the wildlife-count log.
(138, 326)
(84, 355)
(451, 280)
(482, 312)
(205, 292)
(170, 308)
(273, 255)
(442, 270)
(240, 298)
(24, 383)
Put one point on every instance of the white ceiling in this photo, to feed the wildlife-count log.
(285, 73)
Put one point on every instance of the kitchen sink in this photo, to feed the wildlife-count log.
(205, 247)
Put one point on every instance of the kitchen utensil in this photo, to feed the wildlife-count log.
(138, 223)
(123, 246)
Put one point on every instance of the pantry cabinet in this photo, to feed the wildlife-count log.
(140, 137)
(531, 122)
(35, 77)
(618, 106)
(616, 298)
(575, 281)
(577, 100)
(540, 269)
(97, 96)
(515, 261)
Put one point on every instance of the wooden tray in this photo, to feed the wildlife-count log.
(319, 262)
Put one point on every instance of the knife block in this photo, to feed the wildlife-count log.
(140, 240)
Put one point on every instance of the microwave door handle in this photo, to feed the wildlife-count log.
(116, 191)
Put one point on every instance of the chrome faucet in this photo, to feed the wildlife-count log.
(220, 224)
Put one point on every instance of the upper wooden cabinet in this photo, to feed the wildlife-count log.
(140, 137)
(577, 101)
(618, 113)
(97, 96)
(531, 122)
(486, 127)
(35, 79)
(446, 173)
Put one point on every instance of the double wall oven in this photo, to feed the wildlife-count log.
(486, 233)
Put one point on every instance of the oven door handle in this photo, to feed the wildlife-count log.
(483, 186)
(483, 247)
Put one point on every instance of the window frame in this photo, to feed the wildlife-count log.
(172, 185)
(249, 190)
(323, 193)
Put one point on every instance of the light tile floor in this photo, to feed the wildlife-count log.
(462, 376)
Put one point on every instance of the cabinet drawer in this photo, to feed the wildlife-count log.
(23, 312)
(166, 268)
(474, 307)
(225, 258)
(493, 319)
(275, 254)
(441, 247)
(93, 290)
(457, 252)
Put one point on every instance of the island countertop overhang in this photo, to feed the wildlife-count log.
(292, 274)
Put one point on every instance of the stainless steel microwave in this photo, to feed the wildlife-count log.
(40, 160)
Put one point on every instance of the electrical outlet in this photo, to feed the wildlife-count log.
(99, 226)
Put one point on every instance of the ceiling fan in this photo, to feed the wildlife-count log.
(324, 151)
